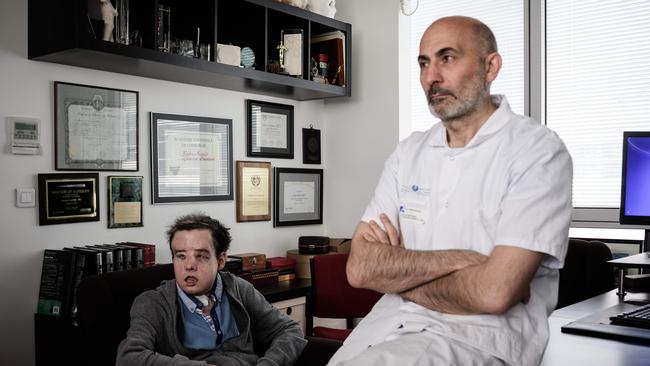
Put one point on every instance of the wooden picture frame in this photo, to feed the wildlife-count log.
(269, 130)
(298, 196)
(253, 191)
(96, 128)
(191, 159)
(68, 198)
(125, 201)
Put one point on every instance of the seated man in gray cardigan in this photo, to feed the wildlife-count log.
(206, 317)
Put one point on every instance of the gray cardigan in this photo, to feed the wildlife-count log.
(153, 337)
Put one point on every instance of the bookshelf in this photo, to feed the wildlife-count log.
(61, 31)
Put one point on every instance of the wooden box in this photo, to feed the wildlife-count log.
(251, 261)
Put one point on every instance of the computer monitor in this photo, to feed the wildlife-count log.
(635, 181)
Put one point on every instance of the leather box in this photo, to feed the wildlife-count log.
(264, 277)
(281, 263)
(251, 261)
(313, 244)
(340, 245)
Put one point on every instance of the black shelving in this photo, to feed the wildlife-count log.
(59, 32)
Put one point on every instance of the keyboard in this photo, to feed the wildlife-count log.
(639, 317)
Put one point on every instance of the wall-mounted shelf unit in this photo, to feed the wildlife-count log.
(62, 31)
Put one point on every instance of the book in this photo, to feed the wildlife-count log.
(331, 44)
(148, 252)
(117, 256)
(135, 256)
(93, 262)
(57, 274)
(78, 274)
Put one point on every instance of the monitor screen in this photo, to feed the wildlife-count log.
(635, 182)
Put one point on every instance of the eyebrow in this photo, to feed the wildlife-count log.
(439, 53)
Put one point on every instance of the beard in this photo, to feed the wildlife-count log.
(460, 103)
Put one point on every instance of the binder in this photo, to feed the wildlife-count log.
(55, 292)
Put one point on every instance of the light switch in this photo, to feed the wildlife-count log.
(25, 197)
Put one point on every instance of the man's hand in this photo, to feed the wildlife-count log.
(391, 236)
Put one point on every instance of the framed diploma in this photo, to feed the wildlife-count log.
(253, 191)
(124, 202)
(298, 196)
(191, 158)
(269, 130)
(95, 128)
(67, 198)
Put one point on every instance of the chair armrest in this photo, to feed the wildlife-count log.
(318, 351)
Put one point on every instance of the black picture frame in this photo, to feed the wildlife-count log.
(125, 201)
(68, 198)
(95, 128)
(191, 159)
(298, 196)
(311, 146)
(269, 130)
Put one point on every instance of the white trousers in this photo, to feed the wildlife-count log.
(416, 349)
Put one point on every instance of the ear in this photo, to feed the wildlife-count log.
(221, 258)
(492, 66)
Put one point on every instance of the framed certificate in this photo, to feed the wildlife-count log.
(67, 198)
(191, 158)
(269, 130)
(95, 128)
(124, 202)
(298, 196)
(253, 191)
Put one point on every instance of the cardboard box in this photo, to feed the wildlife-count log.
(302, 262)
(340, 245)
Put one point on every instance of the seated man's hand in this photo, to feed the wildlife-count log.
(391, 236)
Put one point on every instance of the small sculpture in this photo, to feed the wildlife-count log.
(323, 7)
(302, 4)
(108, 16)
(282, 49)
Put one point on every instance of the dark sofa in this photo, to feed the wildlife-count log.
(104, 303)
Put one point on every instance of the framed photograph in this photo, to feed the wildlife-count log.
(66, 198)
(95, 128)
(310, 146)
(253, 191)
(269, 130)
(191, 158)
(124, 201)
(292, 39)
(298, 196)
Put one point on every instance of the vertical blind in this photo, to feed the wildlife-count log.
(504, 17)
(597, 86)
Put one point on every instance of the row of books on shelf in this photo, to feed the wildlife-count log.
(63, 270)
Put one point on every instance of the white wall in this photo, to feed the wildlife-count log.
(358, 133)
(362, 130)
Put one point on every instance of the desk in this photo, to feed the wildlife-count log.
(633, 261)
(572, 350)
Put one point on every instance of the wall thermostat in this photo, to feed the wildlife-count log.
(24, 135)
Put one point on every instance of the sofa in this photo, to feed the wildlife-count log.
(104, 303)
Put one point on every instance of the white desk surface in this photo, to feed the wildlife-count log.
(576, 350)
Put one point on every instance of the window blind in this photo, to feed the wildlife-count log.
(504, 17)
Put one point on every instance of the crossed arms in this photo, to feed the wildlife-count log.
(449, 281)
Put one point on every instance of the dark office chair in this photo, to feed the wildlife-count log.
(585, 273)
(333, 297)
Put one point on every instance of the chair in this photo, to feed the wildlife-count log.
(585, 273)
(333, 297)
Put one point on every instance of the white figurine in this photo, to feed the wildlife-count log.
(323, 7)
(108, 16)
(302, 4)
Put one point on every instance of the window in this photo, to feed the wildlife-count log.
(597, 81)
(504, 17)
(581, 68)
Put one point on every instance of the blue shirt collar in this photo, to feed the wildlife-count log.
(191, 302)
